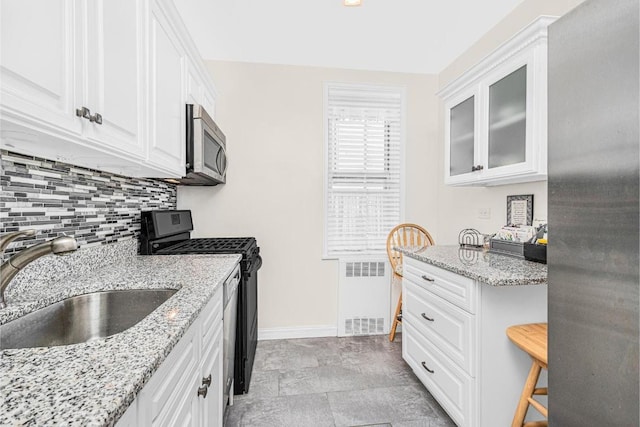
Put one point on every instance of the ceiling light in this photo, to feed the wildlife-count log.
(352, 2)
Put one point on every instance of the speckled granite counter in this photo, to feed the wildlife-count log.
(95, 382)
(493, 269)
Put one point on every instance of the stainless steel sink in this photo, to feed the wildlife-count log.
(82, 318)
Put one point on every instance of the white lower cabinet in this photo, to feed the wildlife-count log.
(186, 390)
(454, 339)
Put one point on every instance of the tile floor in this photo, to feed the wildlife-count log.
(354, 381)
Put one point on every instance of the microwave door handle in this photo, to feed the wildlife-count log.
(226, 160)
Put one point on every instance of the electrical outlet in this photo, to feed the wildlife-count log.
(484, 213)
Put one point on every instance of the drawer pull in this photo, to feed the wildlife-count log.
(428, 279)
(424, 365)
(427, 318)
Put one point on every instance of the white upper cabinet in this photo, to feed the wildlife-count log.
(72, 84)
(496, 114)
(167, 66)
(114, 52)
(37, 62)
(98, 83)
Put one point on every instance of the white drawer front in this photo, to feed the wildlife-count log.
(446, 382)
(448, 327)
(456, 289)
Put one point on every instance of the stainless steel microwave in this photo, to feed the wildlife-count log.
(206, 159)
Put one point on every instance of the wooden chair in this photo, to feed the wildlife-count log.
(532, 339)
(403, 235)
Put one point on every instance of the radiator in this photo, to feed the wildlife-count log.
(364, 296)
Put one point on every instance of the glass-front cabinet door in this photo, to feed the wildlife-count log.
(507, 140)
(462, 137)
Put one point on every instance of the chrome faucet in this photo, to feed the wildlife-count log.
(13, 265)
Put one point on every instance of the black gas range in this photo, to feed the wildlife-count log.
(168, 232)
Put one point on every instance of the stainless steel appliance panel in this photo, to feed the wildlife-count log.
(594, 211)
(229, 321)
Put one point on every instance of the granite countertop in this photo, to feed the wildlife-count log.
(95, 382)
(492, 269)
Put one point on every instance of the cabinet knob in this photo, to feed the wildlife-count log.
(424, 315)
(83, 112)
(476, 168)
(202, 391)
(96, 118)
(424, 365)
(207, 381)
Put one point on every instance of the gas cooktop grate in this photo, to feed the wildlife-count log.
(212, 245)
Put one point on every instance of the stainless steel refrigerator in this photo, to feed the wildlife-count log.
(594, 215)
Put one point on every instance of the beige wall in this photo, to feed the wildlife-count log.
(273, 118)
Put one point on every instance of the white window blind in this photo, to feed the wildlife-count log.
(363, 188)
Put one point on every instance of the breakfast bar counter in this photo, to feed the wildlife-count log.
(481, 265)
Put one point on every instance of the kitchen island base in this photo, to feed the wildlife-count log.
(455, 341)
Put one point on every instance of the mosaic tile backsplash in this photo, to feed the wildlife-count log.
(60, 199)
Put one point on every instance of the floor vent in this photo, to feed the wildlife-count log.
(364, 326)
(365, 269)
(364, 294)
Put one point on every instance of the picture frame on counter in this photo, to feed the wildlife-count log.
(520, 210)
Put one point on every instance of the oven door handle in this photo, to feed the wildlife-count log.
(254, 266)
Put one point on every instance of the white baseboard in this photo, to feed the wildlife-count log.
(297, 332)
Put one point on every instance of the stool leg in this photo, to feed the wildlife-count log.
(394, 325)
(527, 392)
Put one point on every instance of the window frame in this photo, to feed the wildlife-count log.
(401, 89)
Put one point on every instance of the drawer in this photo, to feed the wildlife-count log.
(448, 327)
(448, 384)
(211, 318)
(454, 288)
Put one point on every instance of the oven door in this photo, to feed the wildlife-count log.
(209, 147)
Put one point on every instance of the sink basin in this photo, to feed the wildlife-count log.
(82, 318)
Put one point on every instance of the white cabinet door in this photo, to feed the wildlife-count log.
(462, 140)
(198, 91)
(130, 417)
(173, 382)
(185, 411)
(167, 63)
(114, 53)
(194, 85)
(37, 67)
(209, 102)
(211, 371)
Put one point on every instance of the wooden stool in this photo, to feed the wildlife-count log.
(403, 235)
(532, 339)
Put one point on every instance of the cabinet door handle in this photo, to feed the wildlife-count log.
(427, 278)
(202, 391)
(207, 381)
(427, 318)
(424, 365)
(83, 112)
(476, 168)
(97, 118)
